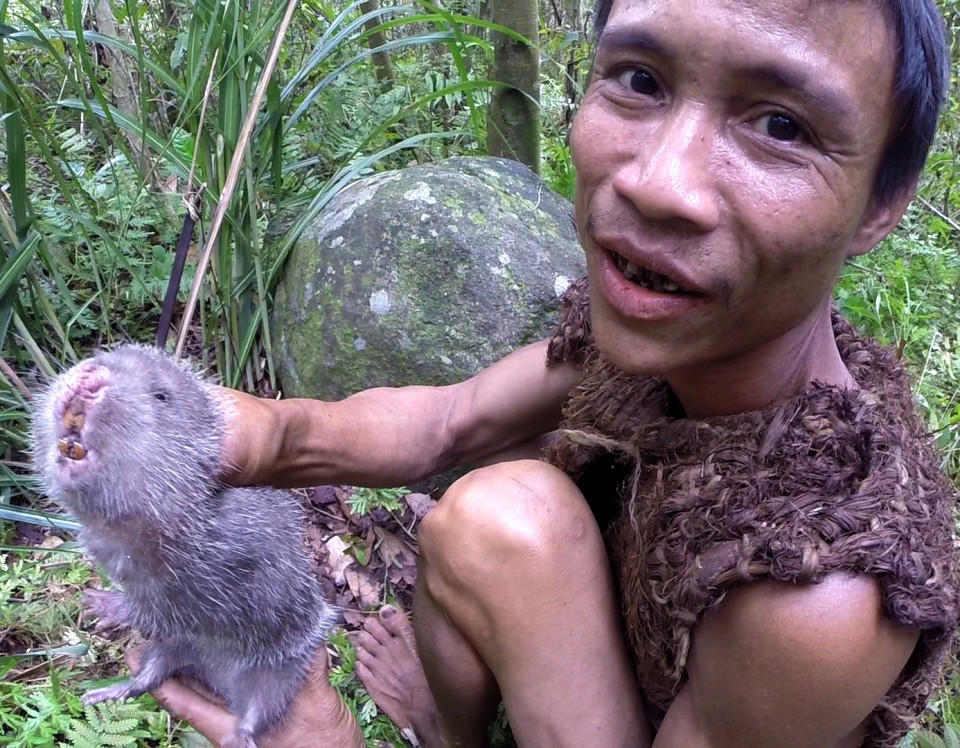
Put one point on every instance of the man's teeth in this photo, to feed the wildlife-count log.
(646, 278)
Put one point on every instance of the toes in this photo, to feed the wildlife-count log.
(366, 657)
(396, 624)
(389, 613)
(365, 640)
(363, 672)
(375, 629)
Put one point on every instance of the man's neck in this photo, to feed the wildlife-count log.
(777, 370)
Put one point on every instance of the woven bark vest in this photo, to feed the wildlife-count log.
(829, 480)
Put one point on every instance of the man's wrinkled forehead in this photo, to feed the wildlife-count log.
(816, 17)
(798, 45)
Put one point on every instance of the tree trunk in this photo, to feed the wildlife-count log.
(513, 119)
(123, 83)
(381, 60)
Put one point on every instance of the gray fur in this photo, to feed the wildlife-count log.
(215, 576)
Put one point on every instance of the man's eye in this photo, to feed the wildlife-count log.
(639, 81)
(781, 127)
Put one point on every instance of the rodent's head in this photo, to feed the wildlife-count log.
(128, 431)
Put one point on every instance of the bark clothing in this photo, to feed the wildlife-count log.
(829, 480)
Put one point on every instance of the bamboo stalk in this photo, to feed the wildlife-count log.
(235, 163)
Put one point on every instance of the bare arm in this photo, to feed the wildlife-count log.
(793, 666)
(390, 436)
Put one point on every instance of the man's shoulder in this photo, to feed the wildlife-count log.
(805, 661)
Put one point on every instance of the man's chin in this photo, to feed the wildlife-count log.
(635, 351)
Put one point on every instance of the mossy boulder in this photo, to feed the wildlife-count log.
(424, 275)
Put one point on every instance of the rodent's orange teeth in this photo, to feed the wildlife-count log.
(73, 420)
(71, 449)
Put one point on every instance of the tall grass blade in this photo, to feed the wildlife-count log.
(36, 517)
(13, 269)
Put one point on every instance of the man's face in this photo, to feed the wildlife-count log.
(726, 150)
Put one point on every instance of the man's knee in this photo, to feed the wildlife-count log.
(501, 515)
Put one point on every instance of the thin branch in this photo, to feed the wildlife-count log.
(11, 376)
(235, 163)
(952, 222)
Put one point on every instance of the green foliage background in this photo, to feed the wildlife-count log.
(93, 199)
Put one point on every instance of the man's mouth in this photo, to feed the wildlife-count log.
(646, 278)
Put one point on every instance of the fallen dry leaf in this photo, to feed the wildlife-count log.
(323, 495)
(391, 548)
(338, 559)
(364, 586)
(420, 504)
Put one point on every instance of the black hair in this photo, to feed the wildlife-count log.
(920, 85)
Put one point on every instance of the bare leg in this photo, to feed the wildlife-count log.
(516, 595)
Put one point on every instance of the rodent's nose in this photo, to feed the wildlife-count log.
(93, 378)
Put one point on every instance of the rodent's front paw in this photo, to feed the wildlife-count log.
(110, 609)
(116, 692)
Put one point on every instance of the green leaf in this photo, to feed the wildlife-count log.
(70, 547)
(928, 739)
(12, 270)
(40, 39)
(951, 736)
(130, 125)
(69, 650)
(16, 163)
(35, 517)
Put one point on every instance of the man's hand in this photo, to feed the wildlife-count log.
(317, 717)
(254, 437)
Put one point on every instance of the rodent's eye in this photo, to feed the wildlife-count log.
(161, 396)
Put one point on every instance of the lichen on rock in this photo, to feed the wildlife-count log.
(424, 275)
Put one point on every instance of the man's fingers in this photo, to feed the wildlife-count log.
(210, 719)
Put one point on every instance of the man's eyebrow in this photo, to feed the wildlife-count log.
(628, 38)
(779, 76)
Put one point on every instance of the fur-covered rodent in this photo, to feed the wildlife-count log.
(215, 576)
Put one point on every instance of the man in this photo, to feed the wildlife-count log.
(731, 155)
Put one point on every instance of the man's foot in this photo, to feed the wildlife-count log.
(390, 669)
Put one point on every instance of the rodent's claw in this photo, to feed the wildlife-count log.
(116, 692)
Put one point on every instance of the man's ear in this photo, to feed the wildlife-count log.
(879, 220)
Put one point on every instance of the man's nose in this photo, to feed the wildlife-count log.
(670, 176)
